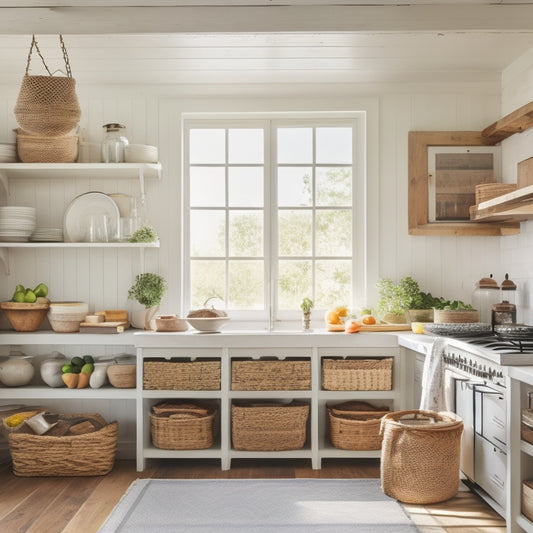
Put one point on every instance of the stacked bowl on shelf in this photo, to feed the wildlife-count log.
(8, 153)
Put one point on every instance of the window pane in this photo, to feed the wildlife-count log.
(295, 232)
(333, 283)
(207, 186)
(207, 281)
(246, 233)
(333, 232)
(295, 145)
(295, 187)
(294, 284)
(333, 145)
(207, 233)
(245, 146)
(246, 187)
(246, 285)
(334, 186)
(207, 146)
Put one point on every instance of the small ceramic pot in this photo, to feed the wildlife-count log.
(16, 372)
(99, 376)
(51, 370)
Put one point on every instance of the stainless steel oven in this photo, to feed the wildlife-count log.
(475, 390)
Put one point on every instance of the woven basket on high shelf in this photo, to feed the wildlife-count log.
(160, 374)
(88, 454)
(355, 425)
(488, 191)
(183, 426)
(420, 456)
(36, 149)
(269, 426)
(263, 374)
(357, 374)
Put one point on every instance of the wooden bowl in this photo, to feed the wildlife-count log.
(463, 316)
(25, 316)
(122, 376)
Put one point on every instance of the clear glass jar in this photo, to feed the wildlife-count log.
(113, 143)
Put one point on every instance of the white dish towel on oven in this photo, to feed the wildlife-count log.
(432, 398)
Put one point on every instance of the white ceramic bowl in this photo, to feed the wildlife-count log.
(210, 324)
(140, 153)
(65, 317)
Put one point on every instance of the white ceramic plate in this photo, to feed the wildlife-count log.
(76, 219)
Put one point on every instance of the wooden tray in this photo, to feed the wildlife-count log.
(386, 327)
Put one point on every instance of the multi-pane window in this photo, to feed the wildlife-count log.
(269, 214)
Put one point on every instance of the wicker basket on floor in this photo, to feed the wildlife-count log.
(355, 425)
(357, 374)
(89, 454)
(420, 456)
(263, 374)
(183, 426)
(181, 375)
(269, 426)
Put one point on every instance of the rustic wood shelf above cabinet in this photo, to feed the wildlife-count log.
(418, 209)
(519, 120)
(515, 206)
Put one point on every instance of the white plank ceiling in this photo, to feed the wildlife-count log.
(188, 42)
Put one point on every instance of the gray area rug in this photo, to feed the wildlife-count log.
(257, 506)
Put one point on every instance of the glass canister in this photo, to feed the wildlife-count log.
(113, 143)
(486, 294)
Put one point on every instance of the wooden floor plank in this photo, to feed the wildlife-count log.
(81, 504)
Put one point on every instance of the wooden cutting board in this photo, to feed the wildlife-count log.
(386, 327)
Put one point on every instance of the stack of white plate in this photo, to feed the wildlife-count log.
(47, 235)
(17, 223)
(8, 153)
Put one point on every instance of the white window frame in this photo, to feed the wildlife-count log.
(356, 119)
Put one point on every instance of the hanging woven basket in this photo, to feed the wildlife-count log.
(47, 105)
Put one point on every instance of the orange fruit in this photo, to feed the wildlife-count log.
(342, 310)
(369, 320)
(332, 317)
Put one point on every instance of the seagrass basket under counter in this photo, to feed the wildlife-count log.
(181, 374)
(87, 454)
(355, 425)
(271, 374)
(177, 425)
(353, 373)
(269, 426)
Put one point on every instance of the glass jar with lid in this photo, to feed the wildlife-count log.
(486, 294)
(113, 143)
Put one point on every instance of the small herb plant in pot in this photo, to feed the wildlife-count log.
(148, 290)
(306, 306)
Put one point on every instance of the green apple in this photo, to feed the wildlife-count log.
(29, 296)
(41, 290)
(20, 288)
(19, 296)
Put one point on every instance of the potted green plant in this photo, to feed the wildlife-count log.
(306, 306)
(396, 298)
(148, 290)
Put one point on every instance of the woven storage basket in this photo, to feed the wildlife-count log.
(261, 375)
(357, 374)
(89, 454)
(488, 191)
(420, 456)
(35, 149)
(355, 425)
(269, 426)
(527, 498)
(181, 375)
(180, 426)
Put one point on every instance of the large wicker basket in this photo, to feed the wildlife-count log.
(36, 149)
(160, 374)
(355, 425)
(89, 454)
(420, 456)
(287, 374)
(357, 374)
(183, 426)
(269, 426)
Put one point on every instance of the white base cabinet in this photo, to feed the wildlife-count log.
(131, 407)
(228, 347)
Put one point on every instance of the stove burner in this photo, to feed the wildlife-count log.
(503, 344)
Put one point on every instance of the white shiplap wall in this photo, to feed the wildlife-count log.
(443, 265)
